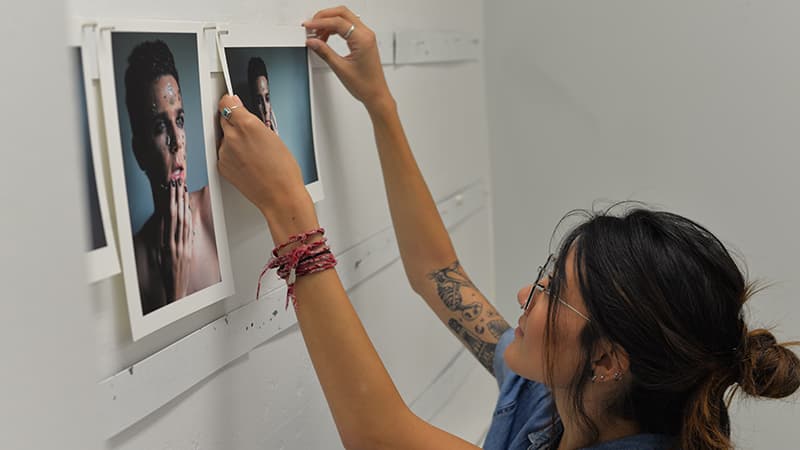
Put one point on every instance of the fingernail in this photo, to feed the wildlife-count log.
(313, 44)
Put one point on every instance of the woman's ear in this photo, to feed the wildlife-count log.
(609, 362)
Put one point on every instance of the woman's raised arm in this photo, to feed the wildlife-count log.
(428, 256)
(368, 411)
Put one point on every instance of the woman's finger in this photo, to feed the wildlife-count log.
(339, 11)
(189, 223)
(173, 213)
(229, 106)
(181, 214)
(338, 25)
(226, 126)
(322, 35)
(327, 54)
(187, 219)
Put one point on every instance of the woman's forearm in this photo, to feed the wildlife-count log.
(363, 400)
(423, 240)
(361, 395)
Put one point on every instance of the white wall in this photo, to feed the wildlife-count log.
(47, 388)
(270, 398)
(690, 106)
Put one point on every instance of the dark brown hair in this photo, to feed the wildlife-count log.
(148, 61)
(667, 291)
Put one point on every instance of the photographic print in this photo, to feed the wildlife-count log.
(273, 83)
(175, 257)
(101, 256)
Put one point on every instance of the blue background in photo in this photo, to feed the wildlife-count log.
(97, 235)
(289, 95)
(184, 51)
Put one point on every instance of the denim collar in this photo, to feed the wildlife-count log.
(540, 440)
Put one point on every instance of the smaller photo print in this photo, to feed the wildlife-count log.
(102, 261)
(273, 84)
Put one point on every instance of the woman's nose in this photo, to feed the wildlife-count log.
(522, 294)
(545, 282)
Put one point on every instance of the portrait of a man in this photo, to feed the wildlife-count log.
(274, 81)
(174, 239)
(258, 82)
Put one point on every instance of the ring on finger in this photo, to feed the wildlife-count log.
(227, 112)
(349, 32)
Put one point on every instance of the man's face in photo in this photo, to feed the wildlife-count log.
(163, 144)
(262, 97)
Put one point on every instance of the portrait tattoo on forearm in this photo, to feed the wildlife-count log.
(477, 324)
(449, 282)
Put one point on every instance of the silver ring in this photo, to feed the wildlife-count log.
(350, 30)
(227, 112)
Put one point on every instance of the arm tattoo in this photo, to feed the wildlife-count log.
(497, 327)
(449, 282)
(477, 324)
(482, 350)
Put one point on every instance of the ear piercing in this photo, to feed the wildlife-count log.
(617, 376)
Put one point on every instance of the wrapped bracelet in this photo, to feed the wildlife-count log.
(302, 237)
(305, 259)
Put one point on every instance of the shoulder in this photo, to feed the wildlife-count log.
(202, 196)
(500, 369)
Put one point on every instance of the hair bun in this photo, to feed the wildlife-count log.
(768, 369)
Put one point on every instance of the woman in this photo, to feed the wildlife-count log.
(629, 337)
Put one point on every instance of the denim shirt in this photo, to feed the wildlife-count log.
(522, 418)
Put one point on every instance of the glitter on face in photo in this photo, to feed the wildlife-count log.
(171, 94)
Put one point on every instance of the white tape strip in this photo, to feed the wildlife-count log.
(421, 47)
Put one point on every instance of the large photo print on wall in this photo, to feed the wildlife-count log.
(173, 246)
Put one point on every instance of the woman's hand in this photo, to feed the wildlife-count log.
(255, 160)
(360, 71)
(177, 237)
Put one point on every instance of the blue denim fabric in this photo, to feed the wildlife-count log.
(522, 418)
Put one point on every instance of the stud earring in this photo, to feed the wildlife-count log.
(617, 376)
(594, 377)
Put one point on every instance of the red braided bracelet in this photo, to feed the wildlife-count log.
(297, 238)
(305, 259)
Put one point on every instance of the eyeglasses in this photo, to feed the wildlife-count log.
(547, 271)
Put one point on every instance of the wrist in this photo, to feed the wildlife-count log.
(293, 216)
(381, 106)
